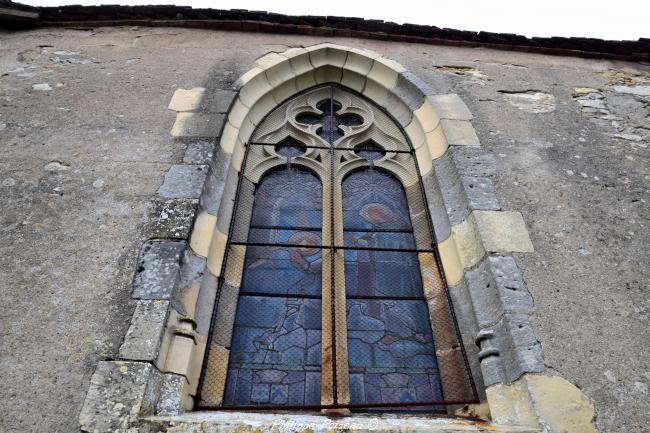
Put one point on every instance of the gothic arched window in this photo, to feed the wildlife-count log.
(331, 295)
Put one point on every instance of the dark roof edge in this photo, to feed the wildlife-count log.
(330, 26)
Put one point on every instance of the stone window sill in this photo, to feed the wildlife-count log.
(310, 422)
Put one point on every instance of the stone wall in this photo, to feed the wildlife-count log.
(88, 147)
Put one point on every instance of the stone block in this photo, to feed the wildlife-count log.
(187, 99)
(453, 193)
(263, 106)
(411, 90)
(229, 137)
(215, 181)
(450, 107)
(503, 231)
(239, 151)
(157, 270)
(364, 52)
(191, 273)
(227, 202)
(192, 267)
(415, 133)
(496, 287)
(306, 80)
(509, 349)
(375, 92)
(175, 219)
(435, 201)
(198, 125)
(173, 395)
(269, 60)
(436, 142)
(385, 71)
(237, 113)
(217, 101)
(560, 404)
(120, 392)
(423, 158)
(426, 114)
(276, 67)
(480, 193)
(450, 261)
(511, 405)
(142, 340)
(217, 251)
(472, 161)
(468, 242)
(204, 225)
(484, 295)
(353, 80)
(205, 303)
(358, 62)
(252, 85)
(327, 54)
(514, 295)
(459, 132)
(299, 55)
(184, 181)
(181, 350)
(283, 90)
(328, 74)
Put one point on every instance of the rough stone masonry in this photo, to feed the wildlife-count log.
(84, 136)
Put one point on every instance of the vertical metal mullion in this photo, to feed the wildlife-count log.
(330, 140)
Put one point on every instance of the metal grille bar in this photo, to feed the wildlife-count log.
(457, 385)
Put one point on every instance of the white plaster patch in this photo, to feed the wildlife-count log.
(531, 101)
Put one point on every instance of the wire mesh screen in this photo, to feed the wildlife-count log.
(332, 294)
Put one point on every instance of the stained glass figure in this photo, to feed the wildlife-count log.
(275, 354)
(329, 119)
(390, 343)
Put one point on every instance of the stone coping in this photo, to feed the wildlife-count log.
(328, 26)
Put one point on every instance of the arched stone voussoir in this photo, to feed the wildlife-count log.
(278, 76)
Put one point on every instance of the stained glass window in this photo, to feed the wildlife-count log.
(321, 302)
(275, 355)
(390, 344)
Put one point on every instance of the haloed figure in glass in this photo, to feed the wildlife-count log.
(390, 344)
(276, 353)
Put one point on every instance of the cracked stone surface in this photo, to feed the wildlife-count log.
(622, 106)
(530, 100)
(158, 269)
(72, 237)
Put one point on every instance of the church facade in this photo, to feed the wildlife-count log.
(317, 233)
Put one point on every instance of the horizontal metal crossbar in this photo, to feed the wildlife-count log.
(344, 405)
(333, 247)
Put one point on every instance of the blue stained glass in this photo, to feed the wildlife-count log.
(288, 198)
(391, 352)
(275, 352)
(374, 200)
(390, 343)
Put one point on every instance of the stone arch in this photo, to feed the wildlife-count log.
(485, 284)
(276, 78)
